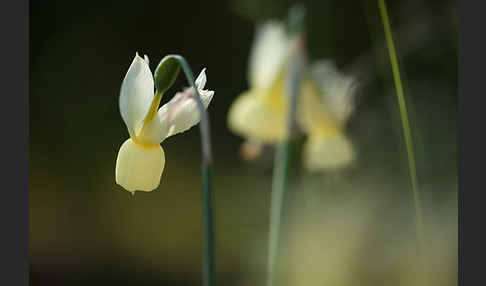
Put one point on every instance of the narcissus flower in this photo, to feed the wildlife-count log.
(259, 113)
(141, 159)
(324, 102)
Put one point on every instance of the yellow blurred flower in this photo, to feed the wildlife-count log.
(141, 159)
(323, 118)
(324, 102)
(260, 112)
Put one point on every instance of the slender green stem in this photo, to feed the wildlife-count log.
(405, 122)
(283, 156)
(208, 254)
(204, 123)
(208, 225)
(280, 182)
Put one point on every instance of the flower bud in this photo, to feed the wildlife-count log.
(166, 73)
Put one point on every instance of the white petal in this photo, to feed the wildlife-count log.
(139, 168)
(268, 54)
(183, 114)
(136, 94)
(324, 73)
(338, 91)
(201, 79)
(324, 153)
(177, 115)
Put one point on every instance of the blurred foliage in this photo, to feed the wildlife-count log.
(86, 229)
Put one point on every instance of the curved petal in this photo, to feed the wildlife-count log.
(136, 94)
(324, 153)
(138, 167)
(177, 115)
(337, 90)
(201, 80)
(253, 116)
(269, 52)
(182, 113)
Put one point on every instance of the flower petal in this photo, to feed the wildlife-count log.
(252, 115)
(312, 116)
(337, 90)
(182, 114)
(136, 94)
(138, 167)
(177, 115)
(324, 153)
(201, 80)
(268, 54)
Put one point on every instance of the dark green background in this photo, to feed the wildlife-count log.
(85, 229)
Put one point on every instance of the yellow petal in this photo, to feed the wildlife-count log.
(261, 113)
(139, 167)
(312, 116)
(323, 153)
(253, 116)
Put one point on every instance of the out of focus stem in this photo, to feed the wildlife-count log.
(280, 183)
(284, 153)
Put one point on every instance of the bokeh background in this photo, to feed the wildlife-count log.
(349, 227)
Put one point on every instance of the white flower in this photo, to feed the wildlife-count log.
(141, 159)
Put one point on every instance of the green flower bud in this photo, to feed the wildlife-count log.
(166, 73)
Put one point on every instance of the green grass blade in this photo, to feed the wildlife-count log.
(405, 122)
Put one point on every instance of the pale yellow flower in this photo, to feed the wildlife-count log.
(324, 102)
(259, 113)
(141, 159)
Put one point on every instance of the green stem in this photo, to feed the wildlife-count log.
(208, 226)
(280, 182)
(208, 255)
(405, 122)
(283, 156)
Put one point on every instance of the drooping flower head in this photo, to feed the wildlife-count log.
(324, 102)
(259, 113)
(141, 159)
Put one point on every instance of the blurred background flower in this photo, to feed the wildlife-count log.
(84, 229)
(324, 102)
